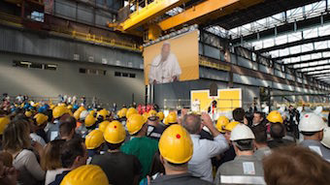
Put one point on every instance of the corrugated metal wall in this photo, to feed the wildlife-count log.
(13, 40)
(67, 80)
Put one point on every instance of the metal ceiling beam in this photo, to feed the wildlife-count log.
(302, 53)
(259, 11)
(196, 12)
(296, 43)
(149, 12)
(322, 76)
(285, 28)
(316, 74)
(319, 65)
(307, 61)
(315, 70)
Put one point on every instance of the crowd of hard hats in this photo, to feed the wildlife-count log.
(152, 148)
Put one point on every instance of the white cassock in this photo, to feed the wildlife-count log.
(195, 107)
(163, 72)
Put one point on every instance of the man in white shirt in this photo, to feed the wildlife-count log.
(200, 165)
(164, 67)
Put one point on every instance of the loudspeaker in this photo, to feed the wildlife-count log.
(213, 89)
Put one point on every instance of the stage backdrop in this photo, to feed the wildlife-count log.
(181, 64)
(228, 99)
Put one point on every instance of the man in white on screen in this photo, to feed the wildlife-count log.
(164, 67)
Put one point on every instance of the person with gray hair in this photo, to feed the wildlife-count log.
(164, 67)
(200, 164)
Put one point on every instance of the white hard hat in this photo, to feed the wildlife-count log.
(326, 137)
(241, 132)
(318, 110)
(83, 114)
(311, 122)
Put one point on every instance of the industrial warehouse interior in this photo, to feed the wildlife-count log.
(164, 92)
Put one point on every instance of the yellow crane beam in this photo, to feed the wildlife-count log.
(210, 9)
(152, 10)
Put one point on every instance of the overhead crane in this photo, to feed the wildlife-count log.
(149, 20)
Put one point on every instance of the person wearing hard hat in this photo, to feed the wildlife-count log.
(311, 126)
(4, 121)
(200, 164)
(102, 115)
(34, 127)
(245, 168)
(229, 154)
(176, 150)
(155, 129)
(121, 115)
(119, 167)
(73, 155)
(171, 119)
(86, 175)
(88, 126)
(94, 142)
(53, 129)
(326, 138)
(140, 145)
(222, 122)
(40, 121)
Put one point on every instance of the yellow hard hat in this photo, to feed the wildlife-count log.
(89, 120)
(40, 119)
(115, 133)
(103, 125)
(171, 118)
(165, 121)
(275, 117)
(86, 175)
(152, 113)
(135, 123)
(59, 111)
(92, 112)
(121, 114)
(130, 112)
(94, 139)
(221, 123)
(175, 145)
(81, 108)
(104, 113)
(145, 115)
(35, 104)
(70, 107)
(76, 114)
(160, 116)
(52, 106)
(28, 114)
(4, 121)
(230, 126)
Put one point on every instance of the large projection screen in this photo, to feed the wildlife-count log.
(171, 60)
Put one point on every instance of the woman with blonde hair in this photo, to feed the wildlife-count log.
(17, 142)
(51, 162)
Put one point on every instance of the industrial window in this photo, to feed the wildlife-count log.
(122, 74)
(117, 73)
(34, 65)
(93, 71)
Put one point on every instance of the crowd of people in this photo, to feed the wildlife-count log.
(68, 144)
